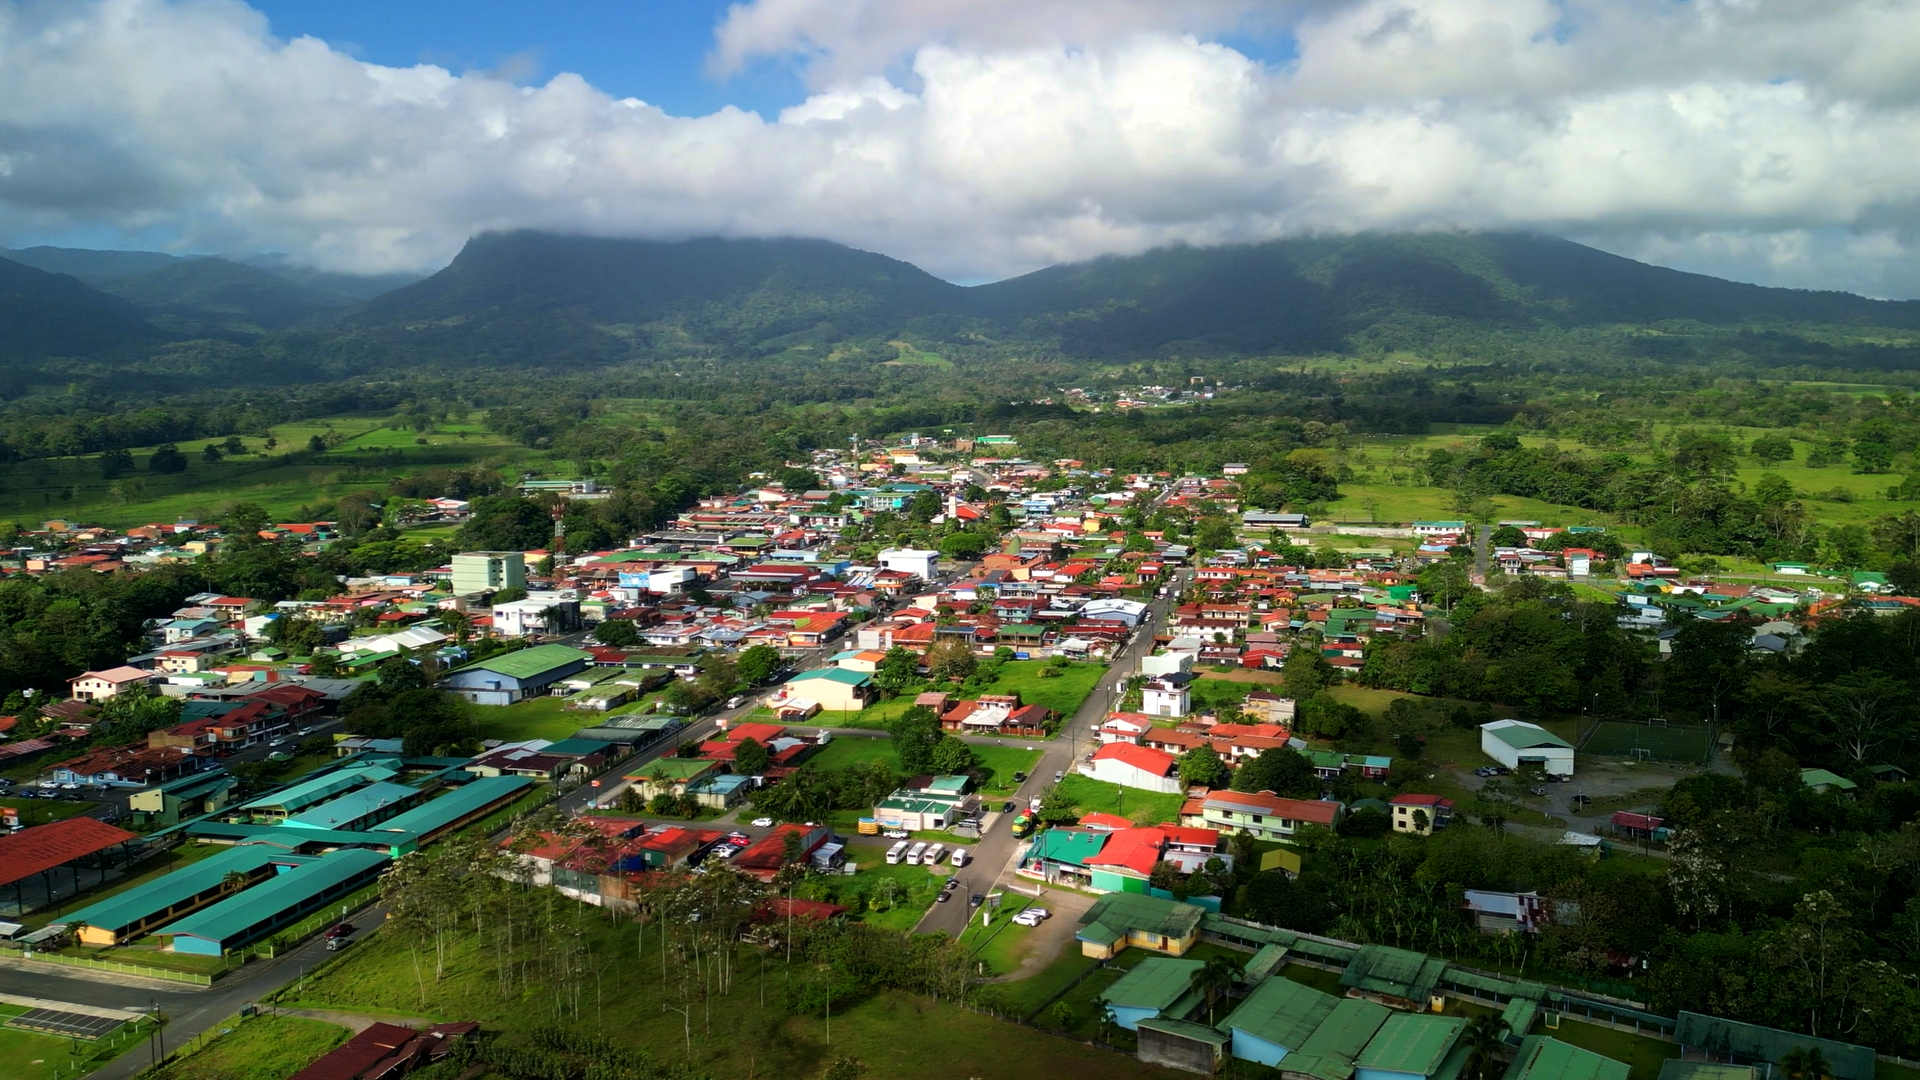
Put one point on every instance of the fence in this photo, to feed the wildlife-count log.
(125, 969)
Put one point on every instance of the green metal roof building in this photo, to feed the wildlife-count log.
(452, 810)
(129, 914)
(1543, 1058)
(1118, 920)
(257, 912)
(1396, 976)
(279, 805)
(1737, 1041)
(358, 807)
(1329, 1053)
(1276, 1020)
(1155, 986)
(1415, 1046)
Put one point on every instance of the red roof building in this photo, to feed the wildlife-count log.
(1136, 850)
(55, 844)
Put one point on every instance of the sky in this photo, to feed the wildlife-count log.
(1775, 141)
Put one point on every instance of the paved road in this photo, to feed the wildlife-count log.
(188, 1012)
(994, 852)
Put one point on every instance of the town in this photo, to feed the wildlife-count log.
(1173, 776)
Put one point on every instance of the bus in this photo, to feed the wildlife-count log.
(932, 857)
(960, 856)
(1022, 825)
(914, 853)
(898, 849)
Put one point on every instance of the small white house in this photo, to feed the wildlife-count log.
(1165, 698)
(1515, 743)
(1136, 767)
(1157, 665)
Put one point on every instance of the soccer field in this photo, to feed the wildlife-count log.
(1619, 738)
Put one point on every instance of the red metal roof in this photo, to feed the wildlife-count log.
(1627, 819)
(43, 847)
(1140, 757)
(1136, 849)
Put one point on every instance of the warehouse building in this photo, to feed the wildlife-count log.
(255, 913)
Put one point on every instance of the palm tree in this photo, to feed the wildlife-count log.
(1214, 978)
(1486, 1039)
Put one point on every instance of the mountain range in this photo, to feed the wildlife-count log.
(518, 297)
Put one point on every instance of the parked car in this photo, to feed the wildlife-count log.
(942, 897)
(976, 900)
(896, 834)
(340, 930)
(1019, 777)
(1537, 790)
(739, 839)
(762, 823)
(1007, 807)
(1059, 776)
(69, 787)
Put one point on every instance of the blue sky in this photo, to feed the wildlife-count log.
(650, 49)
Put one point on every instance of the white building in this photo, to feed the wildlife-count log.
(910, 561)
(546, 613)
(1516, 743)
(1158, 665)
(1165, 698)
(1136, 767)
(1127, 611)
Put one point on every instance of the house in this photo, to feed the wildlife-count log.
(1136, 767)
(1420, 814)
(383, 1051)
(919, 564)
(1264, 815)
(1119, 921)
(101, 685)
(764, 859)
(515, 676)
(1517, 744)
(1165, 697)
(834, 689)
(1156, 986)
(937, 803)
(1824, 782)
(1543, 1058)
(1506, 912)
(1276, 1020)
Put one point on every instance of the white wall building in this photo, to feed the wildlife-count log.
(1160, 698)
(1155, 665)
(1515, 743)
(910, 561)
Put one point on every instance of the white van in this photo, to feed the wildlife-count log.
(932, 857)
(893, 853)
(960, 856)
(914, 853)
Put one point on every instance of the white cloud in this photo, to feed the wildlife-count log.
(1770, 142)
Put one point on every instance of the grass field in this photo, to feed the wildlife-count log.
(1062, 693)
(538, 718)
(1619, 738)
(750, 1031)
(1641, 1054)
(256, 1048)
(368, 453)
(28, 1055)
(1144, 807)
(41, 811)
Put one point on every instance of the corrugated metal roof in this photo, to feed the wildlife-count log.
(347, 811)
(1154, 983)
(1282, 1012)
(1341, 1037)
(1411, 1043)
(528, 663)
(234, 916)
(1542, 1058)
(454, 805)
(43, 847)
(317, 789)
(127, 908)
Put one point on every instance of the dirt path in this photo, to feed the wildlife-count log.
(355, 1022)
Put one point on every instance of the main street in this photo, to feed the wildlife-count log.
(994, 853)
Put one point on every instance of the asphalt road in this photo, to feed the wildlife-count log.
(993, 854)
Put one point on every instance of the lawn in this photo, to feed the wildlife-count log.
(1028, 994)
(873, 716)
(1209, 692)
(897, 906)
(1001, 944)
(750, 1030)
(368, 455)
(1643, 1055)
(1062, 693)
(1000, 762)
(41, 811)
(1144, 807)
(536, 718)
(256, 1048)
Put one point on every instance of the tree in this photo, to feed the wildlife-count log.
(1202, 767)
(167, 459)
(951, 757)
(1305, 672)
(1214, 979)
(505, 523)
(211, 454)
(1866, 710)
(951, 659)
(1057, 809)
(1214, 533)
(115, 463)
(915, 732)
(316, 444)
(1804, 1063)
(1486, 1039)
(965, 544)
(749, 757)
(757, 664)
(899, 669)
(1771, 449)
(1281, 770)
(618, 633)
